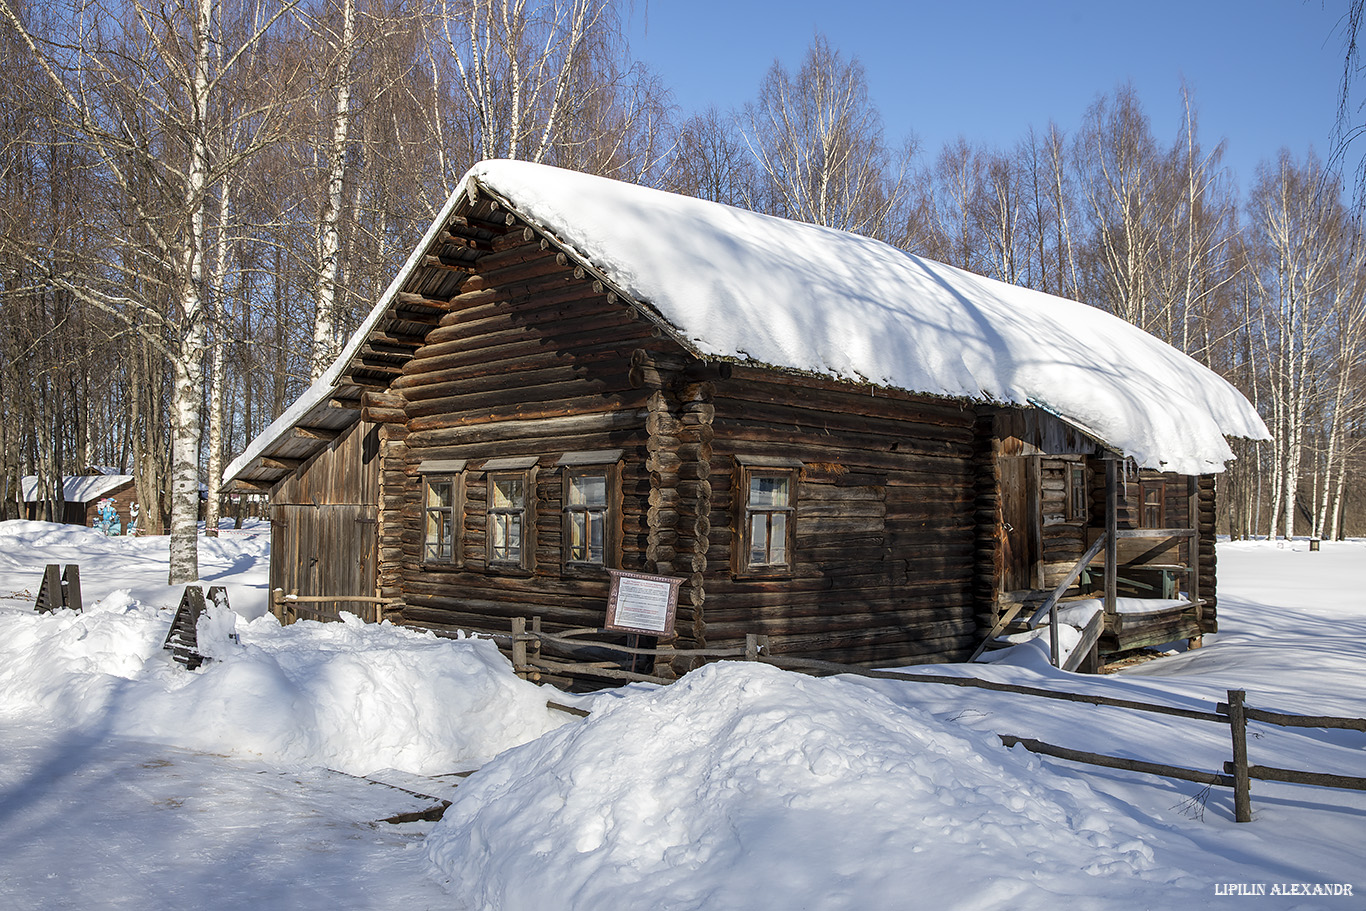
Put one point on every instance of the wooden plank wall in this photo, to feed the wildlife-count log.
(1064, 539)
(323, 532)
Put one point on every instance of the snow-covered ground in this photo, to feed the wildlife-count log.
(263, 780)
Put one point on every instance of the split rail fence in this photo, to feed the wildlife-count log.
(526, 644)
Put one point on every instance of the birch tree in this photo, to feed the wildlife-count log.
(136, 84)
(1122, 188)
(819, 145)
(340, 38)
(1299, 232)
(534, 79)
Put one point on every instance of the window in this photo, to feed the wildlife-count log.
(442, 510)
(1077, 493)
(591, 498)
(767, 520)
(507, 518)
(438, 544)
(1152, 504)
(585, 516)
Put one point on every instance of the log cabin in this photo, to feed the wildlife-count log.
(81, 496)
(866, 456)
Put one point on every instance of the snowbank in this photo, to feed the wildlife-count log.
(350, 696)
(742, 786)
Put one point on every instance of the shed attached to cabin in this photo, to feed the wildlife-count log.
(867, 456)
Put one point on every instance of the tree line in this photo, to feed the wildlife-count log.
(201, 198)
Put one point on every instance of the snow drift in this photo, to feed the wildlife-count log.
(350, 696)
(742, 786)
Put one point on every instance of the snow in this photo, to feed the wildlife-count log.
(127, 781)
(77, 488)
(750, 787)
(735, 285)
(741, 286)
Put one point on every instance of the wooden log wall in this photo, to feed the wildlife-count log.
(679, 462)
(886, 538)
(531, 359)
(1205, 499)
(988, 560)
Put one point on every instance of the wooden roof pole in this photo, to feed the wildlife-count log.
(1111, 533)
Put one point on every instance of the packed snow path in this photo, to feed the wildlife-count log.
(90, 822)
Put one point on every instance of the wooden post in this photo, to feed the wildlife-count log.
(519, 646)
(755, 646)
(71, 588)
(535, 650)
(1242, 792)
(277, 604)
(1055, 659)
(1111, 535)
(49, 590)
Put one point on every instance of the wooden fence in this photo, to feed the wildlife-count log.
(526, 647)
(290, 607)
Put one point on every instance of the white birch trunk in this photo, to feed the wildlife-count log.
(188, 386)
(214, 483)
(325, 342)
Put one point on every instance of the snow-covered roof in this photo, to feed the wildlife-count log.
(749, 287)
(78, 488)
(735, 285)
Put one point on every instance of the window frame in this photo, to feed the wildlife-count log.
(524, 512)
(1160, 487)
(747, 470)
(610, 512)
(451, 472)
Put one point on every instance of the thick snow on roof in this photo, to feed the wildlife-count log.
(77, 488)
(743, 286)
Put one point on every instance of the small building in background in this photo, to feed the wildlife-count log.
(81, 495)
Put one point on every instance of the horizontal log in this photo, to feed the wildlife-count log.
(515, 274)
(841, 632)
(1295, 776)
(746, 437)
(774, 382)
(545, 401)
(437, 367)
(558, 336)
(547, 367)
(1116, 762)
(528, 429)
(384, 415)
(881, 419)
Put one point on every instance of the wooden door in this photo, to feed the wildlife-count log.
(1021, 531)
(324, 550)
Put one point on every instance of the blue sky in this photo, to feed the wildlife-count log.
(1264, 73)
